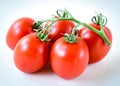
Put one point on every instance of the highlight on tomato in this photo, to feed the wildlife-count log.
(32, 52)
(59, 28)
(17, 30)
(69, 56)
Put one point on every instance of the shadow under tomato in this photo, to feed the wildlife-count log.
(46, 70)
(101, 70)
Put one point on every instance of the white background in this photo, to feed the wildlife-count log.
(104, 73)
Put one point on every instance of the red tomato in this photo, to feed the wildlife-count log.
(31, 54)
(59, 28)
(98, 49)
(18, 29)
(69, 60)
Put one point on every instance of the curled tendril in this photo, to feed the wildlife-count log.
(59, 12)
(62, 13)
(96, 19)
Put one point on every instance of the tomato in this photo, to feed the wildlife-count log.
(59, 28)
(98, 49)
(18, 29)
(69, 60)
(31, 54)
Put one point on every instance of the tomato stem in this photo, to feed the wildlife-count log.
(100, 21)
(65, 15)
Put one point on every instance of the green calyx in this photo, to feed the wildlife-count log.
(73, 37)
(70, 38)
(37, 25)
(42, 35)
(41, 31)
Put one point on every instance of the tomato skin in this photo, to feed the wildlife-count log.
(69, 60)
(60, 27)
(31, 54)
(18, 29)
(98, 49)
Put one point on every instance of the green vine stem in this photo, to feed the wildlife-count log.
(65, 15)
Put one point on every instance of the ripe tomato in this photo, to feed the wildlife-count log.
(98, 49)
(31, 54)
(18, 29)
(59, 28)
(69, 60)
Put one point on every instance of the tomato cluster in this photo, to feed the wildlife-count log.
(59, 42)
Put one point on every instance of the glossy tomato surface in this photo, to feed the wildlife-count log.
(18, 29)
(31, 54)
(98, 49)
(69, 60)
(59, 28)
